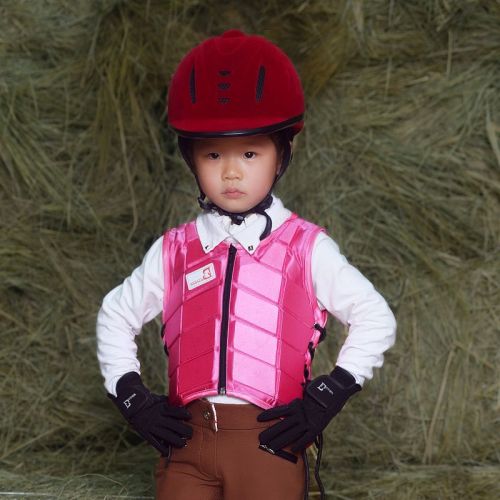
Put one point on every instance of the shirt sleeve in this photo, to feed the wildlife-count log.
(346, 294)
(124, 311)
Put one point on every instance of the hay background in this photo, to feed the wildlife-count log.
(400, 160)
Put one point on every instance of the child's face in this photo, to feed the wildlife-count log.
(236, 173)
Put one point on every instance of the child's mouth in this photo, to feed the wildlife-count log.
(232, 193)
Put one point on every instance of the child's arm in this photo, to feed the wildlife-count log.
(124, 311)
(351, 298)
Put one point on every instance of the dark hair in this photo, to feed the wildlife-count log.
(281, 140)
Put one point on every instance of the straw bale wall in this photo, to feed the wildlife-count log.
(399, 160)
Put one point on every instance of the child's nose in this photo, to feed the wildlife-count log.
(231, 171)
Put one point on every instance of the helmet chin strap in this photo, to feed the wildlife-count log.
(239, 217)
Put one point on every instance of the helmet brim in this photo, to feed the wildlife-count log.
(214, 129)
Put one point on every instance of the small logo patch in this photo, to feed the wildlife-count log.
(322, 387)
(200, 276)
(127, 402)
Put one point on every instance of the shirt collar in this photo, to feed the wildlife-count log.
(214, 228)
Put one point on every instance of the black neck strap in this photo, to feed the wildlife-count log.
(238, 217)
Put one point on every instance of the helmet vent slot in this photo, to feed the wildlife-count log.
(260, 83)
(192, 86)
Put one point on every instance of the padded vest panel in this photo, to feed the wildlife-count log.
(272, 313)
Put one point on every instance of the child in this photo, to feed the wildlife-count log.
(245, 290)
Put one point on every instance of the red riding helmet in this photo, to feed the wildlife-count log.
(235, 84)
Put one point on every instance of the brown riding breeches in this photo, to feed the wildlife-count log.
(222, 461)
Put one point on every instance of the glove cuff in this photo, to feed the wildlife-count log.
(131, 395)
(332, 391)
(344, 379)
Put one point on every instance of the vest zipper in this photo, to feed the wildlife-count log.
(225, 319)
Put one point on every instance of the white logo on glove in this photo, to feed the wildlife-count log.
(323, 386)
(127, 402)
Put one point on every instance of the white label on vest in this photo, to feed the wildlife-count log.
(200, 276)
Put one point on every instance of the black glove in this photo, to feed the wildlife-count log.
(304, 419)
(150, 414)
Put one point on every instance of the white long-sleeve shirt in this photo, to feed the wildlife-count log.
(340, 288)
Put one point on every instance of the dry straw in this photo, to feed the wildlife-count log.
(400, 161)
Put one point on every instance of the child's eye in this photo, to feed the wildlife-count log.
(250, 154)
(213, 156)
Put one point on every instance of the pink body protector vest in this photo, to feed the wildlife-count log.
(239, 324)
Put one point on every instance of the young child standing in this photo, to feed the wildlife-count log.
(244, 291)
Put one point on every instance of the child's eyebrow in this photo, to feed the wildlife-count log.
(252, 143)
(205, 146)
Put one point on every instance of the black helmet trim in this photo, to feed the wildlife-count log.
(268, 129)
